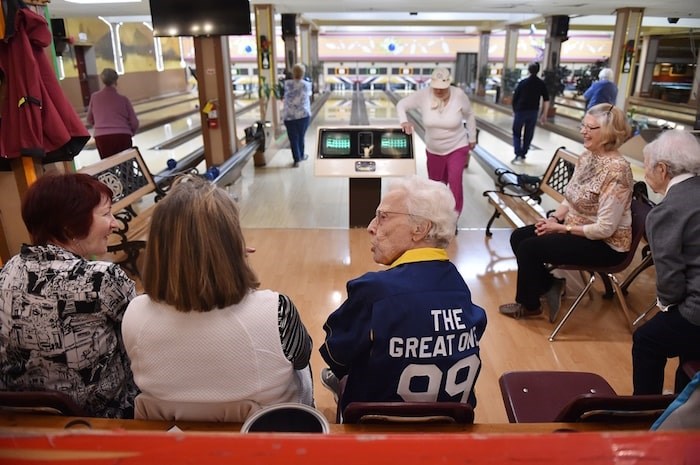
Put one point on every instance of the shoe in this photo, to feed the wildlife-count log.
(517, 160)
(517, 310)
(295, 164)
(330, 382)
(305, 157)
(553, 297)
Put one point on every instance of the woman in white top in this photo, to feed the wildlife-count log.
(204, 342)
(444, 110)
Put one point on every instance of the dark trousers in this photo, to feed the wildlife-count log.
(533, 252)
(524, 123)
(111, 144)
(296, 130)
(665, 336)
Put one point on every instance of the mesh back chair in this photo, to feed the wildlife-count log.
(409, 412)
(613, 409)
(47, 402)
(288, 418)
(640, 209)
(539, 396)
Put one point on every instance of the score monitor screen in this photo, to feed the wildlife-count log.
(394, 144)
(336, 144)
(364, 142)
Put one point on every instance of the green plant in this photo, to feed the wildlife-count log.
(589, 75)
(509, 79)
(554, 80)
(484, 75)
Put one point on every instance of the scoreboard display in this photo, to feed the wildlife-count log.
(365, 143)
(364, 152)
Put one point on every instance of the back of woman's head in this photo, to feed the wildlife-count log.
(430, 200)
(195, 255)
(613, 124)
(109, 76)
(298, 71)
(58, 207)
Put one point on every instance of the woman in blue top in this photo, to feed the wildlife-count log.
(297, 111)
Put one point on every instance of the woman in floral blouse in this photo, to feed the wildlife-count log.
(60, 312)
(297, 111)
(591, 227)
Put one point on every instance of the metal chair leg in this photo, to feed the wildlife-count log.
(572, 308)
(623, 301)
(644, 314)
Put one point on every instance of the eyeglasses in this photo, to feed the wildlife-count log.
(587, 128)
(383, 215)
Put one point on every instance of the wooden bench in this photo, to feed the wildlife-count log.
(517, 205)
(127, 175)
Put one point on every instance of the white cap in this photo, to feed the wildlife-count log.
(440, 79)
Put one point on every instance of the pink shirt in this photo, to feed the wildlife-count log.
(109, 112)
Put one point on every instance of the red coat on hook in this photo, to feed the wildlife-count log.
(37, 119)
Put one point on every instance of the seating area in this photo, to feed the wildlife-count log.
(572, 397)
(519, 204)
(640, 209)
(128, 176)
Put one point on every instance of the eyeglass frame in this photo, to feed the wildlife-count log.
(588, 128)
(378, 213)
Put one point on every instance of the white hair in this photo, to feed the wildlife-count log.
(431, 200)
(678, 150)
(605, 74)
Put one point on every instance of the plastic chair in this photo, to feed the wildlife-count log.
(691, 367)
(45, 402)
(286, 417)
(614, 409)
(640, 209)
(409, 412)
(539, 396)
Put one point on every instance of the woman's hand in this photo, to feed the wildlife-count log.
(548, 226)
(407, 127)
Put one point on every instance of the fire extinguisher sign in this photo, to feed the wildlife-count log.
(212, 114)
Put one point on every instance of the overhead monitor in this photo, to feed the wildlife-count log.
(200, 18)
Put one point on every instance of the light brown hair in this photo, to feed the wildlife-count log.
(613, 124)
(196, 254)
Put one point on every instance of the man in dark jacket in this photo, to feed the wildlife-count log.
(526, 104)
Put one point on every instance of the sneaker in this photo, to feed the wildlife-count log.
(517, 310)
(517, 160)
(330, 382)
(295, 164)
(305, 157)
(553, 297)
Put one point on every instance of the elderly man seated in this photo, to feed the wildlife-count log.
(411, 332)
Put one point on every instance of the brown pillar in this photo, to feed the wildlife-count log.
(215, 98)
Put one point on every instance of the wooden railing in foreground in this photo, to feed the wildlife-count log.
(364, 445)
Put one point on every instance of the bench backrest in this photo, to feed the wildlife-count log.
(126, 174)
(559, 173)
